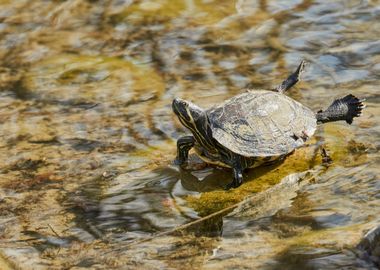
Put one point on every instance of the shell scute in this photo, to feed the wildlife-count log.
(261, 123)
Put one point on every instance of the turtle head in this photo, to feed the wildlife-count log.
(192, 117)
(188, 113)
(196, 120)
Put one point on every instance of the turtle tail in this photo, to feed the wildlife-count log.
(345, 108)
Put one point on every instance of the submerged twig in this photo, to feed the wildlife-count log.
(181, 227)
(51, 228)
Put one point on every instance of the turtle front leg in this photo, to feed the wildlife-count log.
(292, 79)
(238, 178)
(345, 108)
(238, 166)
(184, 144)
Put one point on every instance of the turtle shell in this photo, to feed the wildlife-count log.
(261, 123)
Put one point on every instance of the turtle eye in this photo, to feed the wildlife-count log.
(183, 103)
(179, 102)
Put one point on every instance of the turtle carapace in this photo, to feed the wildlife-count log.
(255, 127)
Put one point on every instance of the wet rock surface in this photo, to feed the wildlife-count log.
(369, 246)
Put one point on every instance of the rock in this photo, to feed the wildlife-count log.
(370, 246)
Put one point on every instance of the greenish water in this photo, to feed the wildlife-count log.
(87, 135)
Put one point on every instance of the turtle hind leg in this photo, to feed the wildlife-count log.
(345, 108)
(184, 144)
(292, 79)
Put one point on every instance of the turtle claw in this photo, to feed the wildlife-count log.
(326, 159)
(229, 186)
(179, 162)
(233, 184)
(355, 107)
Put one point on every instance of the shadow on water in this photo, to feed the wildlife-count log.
(127, 209)
(296, 258)
(217, 178)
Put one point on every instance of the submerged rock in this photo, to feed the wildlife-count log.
(370, 246)
(280, 196)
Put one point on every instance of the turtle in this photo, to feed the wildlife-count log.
(255, 127)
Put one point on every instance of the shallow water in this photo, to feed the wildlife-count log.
(87, 135)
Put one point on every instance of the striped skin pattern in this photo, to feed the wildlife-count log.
(255, 127)
(251, 129)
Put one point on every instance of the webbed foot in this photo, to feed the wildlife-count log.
(292, 79)
(345, 108)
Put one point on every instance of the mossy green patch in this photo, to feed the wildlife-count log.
(258, 179)
(348, 236)
(344, 149)
(338, 143)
